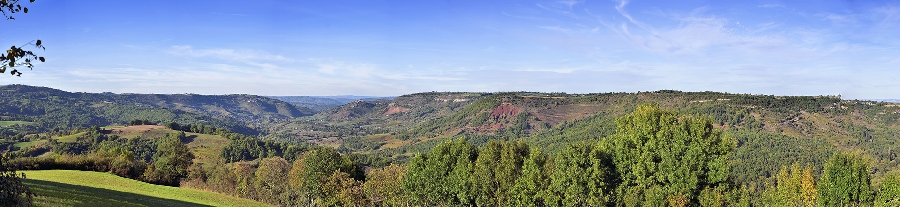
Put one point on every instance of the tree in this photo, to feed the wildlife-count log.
(308, 173)
(171, 161)
(529, 187)
(792, 186)
(845, 181)
(442, 176)
(497, 167)
(340, 189)
(666, 159)
(269, 181)
(889, 191)
(12, 191)
(583, 176)
(384, 186)
(16, 56)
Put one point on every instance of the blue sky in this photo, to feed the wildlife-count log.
(399, 47)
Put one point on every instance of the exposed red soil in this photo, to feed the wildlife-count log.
(395, 110)
(504, 110)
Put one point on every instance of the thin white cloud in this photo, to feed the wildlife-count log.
(888, 17)
(838, 19)
(771, 6)
(570, 3)
(621, 9)
(226, 54)
(556, 28)
(344, 69)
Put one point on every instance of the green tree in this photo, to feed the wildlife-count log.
(310, 171)
(496, 169)
(845, 181)
(12, 191)
(667, 159)
(889, 190)
(16, 56)
(442, 176)
(583, 176)
(171, 161)
(529, 187)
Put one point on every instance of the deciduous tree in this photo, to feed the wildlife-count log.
(889, 190)
(12, 191)
(16, 56)
(667, 158)
(384, 186)
(845, 181)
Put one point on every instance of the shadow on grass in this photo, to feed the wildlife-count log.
(60, 194)
(188, 139)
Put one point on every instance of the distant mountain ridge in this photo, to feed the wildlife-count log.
(885, 100)
(84, 109)
(322, 103)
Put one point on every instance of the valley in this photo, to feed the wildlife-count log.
(235, 141)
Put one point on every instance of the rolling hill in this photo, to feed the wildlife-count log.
(788, 129)
(52, 108)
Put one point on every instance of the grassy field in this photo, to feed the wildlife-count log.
(70, 138)
(204, 146)
(81, 188)
(10, 123)
(144, 131)
(23, 145)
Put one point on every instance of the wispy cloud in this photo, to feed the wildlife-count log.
(226, 54)
(888, 17)
(344, 69)
(839, 19)
(771, 6)
(621, 9)
(570, 3)
(556, 28)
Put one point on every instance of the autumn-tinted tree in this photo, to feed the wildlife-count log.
(845, 181)
(339, 189)
(384, 186)
(269, 183)
(667, 159)
(792, 186)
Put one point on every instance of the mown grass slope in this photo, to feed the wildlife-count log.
(81, 188)
(10, 123)
(206, 148)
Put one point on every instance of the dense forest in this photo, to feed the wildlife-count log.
(663, 148)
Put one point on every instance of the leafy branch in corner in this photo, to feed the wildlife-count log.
(16, 56)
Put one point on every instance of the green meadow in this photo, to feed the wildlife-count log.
(82, 188)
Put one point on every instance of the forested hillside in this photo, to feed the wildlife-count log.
(769, 131)
(55, 109)
(493, 149)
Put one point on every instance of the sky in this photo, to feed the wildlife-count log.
(388, 48)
